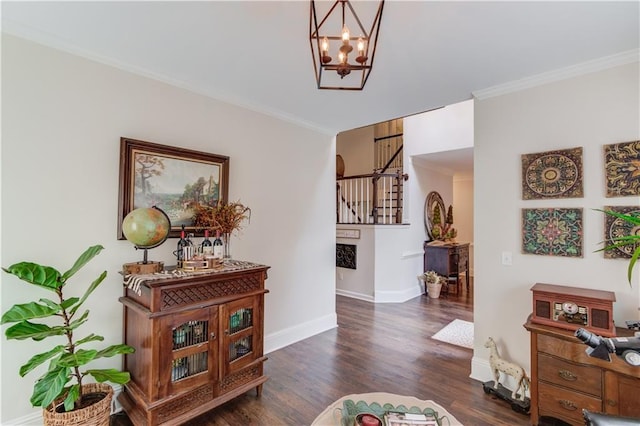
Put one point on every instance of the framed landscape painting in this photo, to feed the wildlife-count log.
(175, 180)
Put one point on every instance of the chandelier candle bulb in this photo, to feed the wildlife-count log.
(345, 34)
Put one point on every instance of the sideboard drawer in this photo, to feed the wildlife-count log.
(565, 404)
(582, 378)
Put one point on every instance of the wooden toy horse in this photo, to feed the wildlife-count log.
(498, 364)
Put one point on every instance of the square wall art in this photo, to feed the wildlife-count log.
(622, 169)
(615, 227)
(552, 232)
(552, 174)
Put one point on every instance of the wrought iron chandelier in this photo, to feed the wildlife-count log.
(332, 42)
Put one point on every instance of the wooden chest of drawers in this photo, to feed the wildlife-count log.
(565, 380)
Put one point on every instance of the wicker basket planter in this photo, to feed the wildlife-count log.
(95, 415)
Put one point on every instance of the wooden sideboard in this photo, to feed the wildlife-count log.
(449, 260)
(198, 341)
(565, 380)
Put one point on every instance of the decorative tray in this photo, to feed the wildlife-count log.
(351, 409)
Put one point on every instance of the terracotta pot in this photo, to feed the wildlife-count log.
(433, 290)
(96, 414)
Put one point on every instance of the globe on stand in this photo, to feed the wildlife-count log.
(146, 228)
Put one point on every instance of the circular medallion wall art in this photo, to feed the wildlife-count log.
(615, 228)
(552, 174)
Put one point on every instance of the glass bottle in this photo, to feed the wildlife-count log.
(207, 245)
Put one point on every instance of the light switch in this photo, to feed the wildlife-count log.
(506, 258)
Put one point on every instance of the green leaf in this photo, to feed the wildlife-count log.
(627, 217)
(27, 311)
(115, 350)
(77, 323)
(79, 357)
(92, 287)
(69, 302)
(28, 330)
(84, 258)
(90, 338)
(36, 360)
(111, 375)
(49, 303)
(50, 386)
(72, 396)
(632, 262)
(42, 276)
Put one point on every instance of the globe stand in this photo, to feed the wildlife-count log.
(149, 222)
(144, 267)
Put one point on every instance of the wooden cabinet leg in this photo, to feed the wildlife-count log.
(259, 390)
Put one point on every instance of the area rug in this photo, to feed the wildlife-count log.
(342, 411)
(457, 332)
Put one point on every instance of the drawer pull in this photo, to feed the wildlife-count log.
(567, 375)
(568, 405)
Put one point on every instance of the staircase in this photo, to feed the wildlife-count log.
(375, 198)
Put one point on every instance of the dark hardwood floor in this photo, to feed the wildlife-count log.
(376, 348)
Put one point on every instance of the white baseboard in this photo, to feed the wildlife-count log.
(299, 332)
(383, 296)
(34, 419)
(397, 296)
(354, 295)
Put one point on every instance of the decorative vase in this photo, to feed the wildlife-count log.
(226, 239)
(433, 290)
(96, 414)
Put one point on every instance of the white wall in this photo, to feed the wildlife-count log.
(463, 212)
(448, 128)
(588, 111)
(358, 283)
(62, 119)
(356, 148)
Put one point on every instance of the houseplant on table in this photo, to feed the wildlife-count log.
(632, 240)
(60, 391)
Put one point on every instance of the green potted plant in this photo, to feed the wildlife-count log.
(60, 391)
(632, 240)
(433, 283)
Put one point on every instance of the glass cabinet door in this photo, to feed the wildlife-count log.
(186, 336)
(239, 321)
(189, 351)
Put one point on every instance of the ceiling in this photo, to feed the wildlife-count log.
(257, 55)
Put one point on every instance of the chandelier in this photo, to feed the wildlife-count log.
(343, 59)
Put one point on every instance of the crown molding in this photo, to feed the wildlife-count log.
(619, 59)
(35, 36)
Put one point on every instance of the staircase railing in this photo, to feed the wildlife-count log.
(374, 198)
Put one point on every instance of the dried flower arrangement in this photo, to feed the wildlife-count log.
(225, 217)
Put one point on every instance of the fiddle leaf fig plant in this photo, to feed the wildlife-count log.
(632, 240)
(67, 359)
